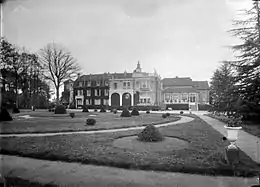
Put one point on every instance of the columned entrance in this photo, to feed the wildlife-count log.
(126, 100)
(115, 100)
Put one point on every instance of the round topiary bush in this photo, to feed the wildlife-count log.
(72, 115)
(150, 134)
(95, 110)
(114, 111)
(168, 114)
(181, 112)
(85, 108)
(16, 110)
(125, 113)
(135, 112)
(102, 109)
(164, 115)
(5, 116)
(60, 109)
(148, 112)
(90, 121)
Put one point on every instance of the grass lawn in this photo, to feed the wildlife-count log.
(45, 122)
(204, 155)
(17, 182)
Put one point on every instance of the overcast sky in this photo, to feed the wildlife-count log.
(176, 37)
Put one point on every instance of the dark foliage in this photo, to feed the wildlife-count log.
(90, 121)
(135, 112)
(150, 134)
(125, 113)
(60, 109)
(16, 110)
(181, 112)
(164, 115)
(5, 116)
(85, 108)
(102, 109)
(72, 115)
(148, 112)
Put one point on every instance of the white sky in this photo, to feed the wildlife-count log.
(176, 37)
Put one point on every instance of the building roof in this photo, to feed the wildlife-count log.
(121, 75)
(201, 85)
(178, 81)
(180, 90)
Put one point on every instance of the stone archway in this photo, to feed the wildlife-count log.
(115, 100)
(136, 98)
(126, 100)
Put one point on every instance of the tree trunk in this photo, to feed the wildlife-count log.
(16, 92)
(57, 95)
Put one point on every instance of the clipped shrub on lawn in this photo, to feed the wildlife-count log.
(150, 134)
(95, 110)
(164, 115)
(16, 110)
(135, 112)
(125, 113)
(148, 112)
(5, 116)
(90, 121)
(114, 111)
(181, 112)
(102, 109)
(60, 109)
(168, 114)
(85, 108)
(72, 115)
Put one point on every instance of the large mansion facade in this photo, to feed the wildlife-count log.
(137, 88)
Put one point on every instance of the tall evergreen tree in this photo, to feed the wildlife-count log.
(247, 63)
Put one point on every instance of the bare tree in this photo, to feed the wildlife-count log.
(58, 64)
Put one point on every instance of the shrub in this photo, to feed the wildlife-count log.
(102, 109)
(168, 114)
(114, 111)
(150, 134)
(125, 113)
(15, 109)
(135, 112)
(60, 109)
(181, 112)
(90, 121)
(85, 108)
(5, 116)
(164, 115)
(95, 110)
(72, 115)
(148, 112)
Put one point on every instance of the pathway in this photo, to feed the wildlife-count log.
(246, 142)
(184, 119)
(74, 174)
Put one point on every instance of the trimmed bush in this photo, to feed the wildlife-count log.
(168, 114)
(181, 112)
(135, 112)
(95, 110)
(16, 110)
(102, 110)
(5, 116)
(60, 109)
(72, 115)
(148, 112)
(85, 108)
(125, 113)
(114, 111)
(150, 134)
(164, 115)
(90, 121)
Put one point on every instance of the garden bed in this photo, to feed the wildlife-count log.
(45, 123)
(203, 156)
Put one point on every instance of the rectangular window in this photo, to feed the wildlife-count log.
(98, 83)
(80, 92)
(106, 92)
(115, 86)
(148, 100)
(88, 92)
(128, 85)
(124, 85)
(106, 83)
(89, 83)
(97, 102)
(192, 97)
(144, 100)
(97, 92)
(79, 102)
(87, 102)
(184, 98)
(106, 102)
(80, 84)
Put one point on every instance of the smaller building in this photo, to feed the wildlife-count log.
(92, 90)
(183, 93)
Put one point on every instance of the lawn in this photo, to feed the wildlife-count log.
(204, 154)
(17, 182)
(45, 122)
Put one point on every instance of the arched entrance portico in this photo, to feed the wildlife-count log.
(126, 100)
(115, 100)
